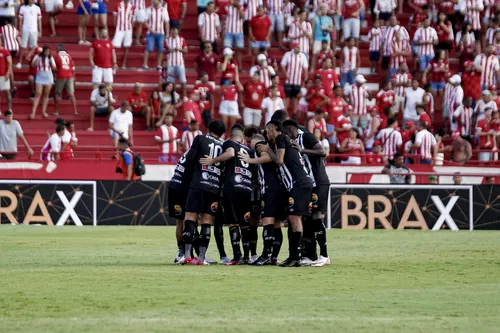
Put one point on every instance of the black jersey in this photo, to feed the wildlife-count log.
(238, 174)
(183, 172)
(206, 177)
(315, 164)
(293, 172)
(267, 174)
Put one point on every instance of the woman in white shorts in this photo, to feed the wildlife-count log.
(44, 80)
(229, 109)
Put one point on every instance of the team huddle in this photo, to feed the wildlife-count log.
(251, 179)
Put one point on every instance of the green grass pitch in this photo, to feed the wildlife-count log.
(121, 279)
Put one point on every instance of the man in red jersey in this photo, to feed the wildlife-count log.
(192, 108)
(335, 110)
(138, 100)
(5, 74)
(260, 29)
(325, 53)
(386, 98)
(253, 95)
(328, 76)
(423, 116)
(176, 12)
(375, 156)
(102, 60)
(473, 78)
(316, 97)
(65, 78)
(206, 90)
(343, 125)
(207, 62)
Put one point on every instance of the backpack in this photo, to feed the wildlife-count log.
(139, 165)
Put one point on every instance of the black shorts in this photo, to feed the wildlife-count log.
(385, 62)
(477, 34)
(299, 202)
(291, 90)
(374, 55)
(274, 203)
(319, 198)
(256, 205)
(175, 24)
(13, 54)
(177, 203)
(237, 207)
(202, 202)
(385, 16)
(446, 45)
(245, 28)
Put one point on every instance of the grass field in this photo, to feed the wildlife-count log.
(121, 279)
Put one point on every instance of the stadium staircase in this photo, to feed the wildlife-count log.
(36, 130)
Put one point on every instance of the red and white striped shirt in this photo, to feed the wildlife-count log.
(295, 30)
(375, 37)
(464, 116)
(210, 25)
(167, 133)
(274, 6)
(350, 59)
(234, 21)
(429, 99)
(288, 8)
(251, 8)
(157, 17)
(420, 3)
(490, 35)
(427, 36)
(389, 37)
(265, 74)
(139, 4)
(473, 9)
(175, 58)
(489, 8)
(125, 16)
(489, 68)
(10, 34)
(321, 124)
(448, 94)
(188, 138)
(296, 64)
(359, 97)
(44, 65)
(398, 46)
(401, 82)
(391, 139)
(427, 141)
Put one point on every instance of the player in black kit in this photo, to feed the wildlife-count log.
(204, 190)
(296, 180)
(237, 191)
(314, 155)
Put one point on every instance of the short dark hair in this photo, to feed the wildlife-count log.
(319, 111)
(238, 127)
(280, 115)
(390, 121)
(419, 106)
(251, 131)
(276, 123)
(193, 122)
(59, 121)
(123, 141)
(60, 127)
(8, 113)
(290, 123)
(397, 154)
(217, 127)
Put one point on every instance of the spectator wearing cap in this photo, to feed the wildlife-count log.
(464, 116)
(414, 96)
(228, 68)
(101, 103)
(455, 98)
(473, 78)
(207, 62)
(359, 97)
(397, 171)
(206, 92)
(209, 26)
(486, 102)
(301, 32)
(120, 124)
(295, 65)
(10, 131)
(233, 30)
(188, 136)
(486, 135)
(252, 101)
(260, 30)
(65, 79)
(266, 71)
(350, 60)
(322, 29)
(138, 100)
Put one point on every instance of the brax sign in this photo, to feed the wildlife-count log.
(393, 207)
(48, 202)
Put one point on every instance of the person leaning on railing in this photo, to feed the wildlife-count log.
(396, 170)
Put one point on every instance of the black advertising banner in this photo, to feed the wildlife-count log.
(486, 205)
(48, 202)
(401, 207)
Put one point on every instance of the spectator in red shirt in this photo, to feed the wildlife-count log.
(192, 109)
(423, 116)
(206, 90)
(154, 104)
(32, 70)
(316, 97)
(138, 101)
(328, 76)
(473, 78)
(5, 74)
(438, 69)
(252, 101)
(375, 156)
(229, 68)
(260, 29)
(176, 13)
(102, 60)
(335, 110)
(386, 97)
(325, 53)
(207, 62)
(444, 31)
(485, 134)
(65, 78)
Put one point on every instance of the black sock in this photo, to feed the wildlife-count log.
(268, 238)
(320, 236)
(295, 245)
(196, 242)
(204, 241)
(254, 238)
(245, 239)
(290, 240)
(187, 237)
(308, 243)
(219, 237)
(234, 233)
(278, 240)
(180, 246)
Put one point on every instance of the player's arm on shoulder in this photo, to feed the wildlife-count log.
(312, 147)
(264, 156)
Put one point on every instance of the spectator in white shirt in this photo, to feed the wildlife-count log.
(10, 130)
(31, 27)
(120, 124)
(483, 104)
(52, 148)
(8, 11)
(414, 96)
(101, 103)
(272, 103)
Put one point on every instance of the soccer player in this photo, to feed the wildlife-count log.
(238, 187)
(297, 181)
(314, 230)
(204, 191)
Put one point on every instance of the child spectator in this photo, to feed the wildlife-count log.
(189, 135)
(167, 136)
(375, 37)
